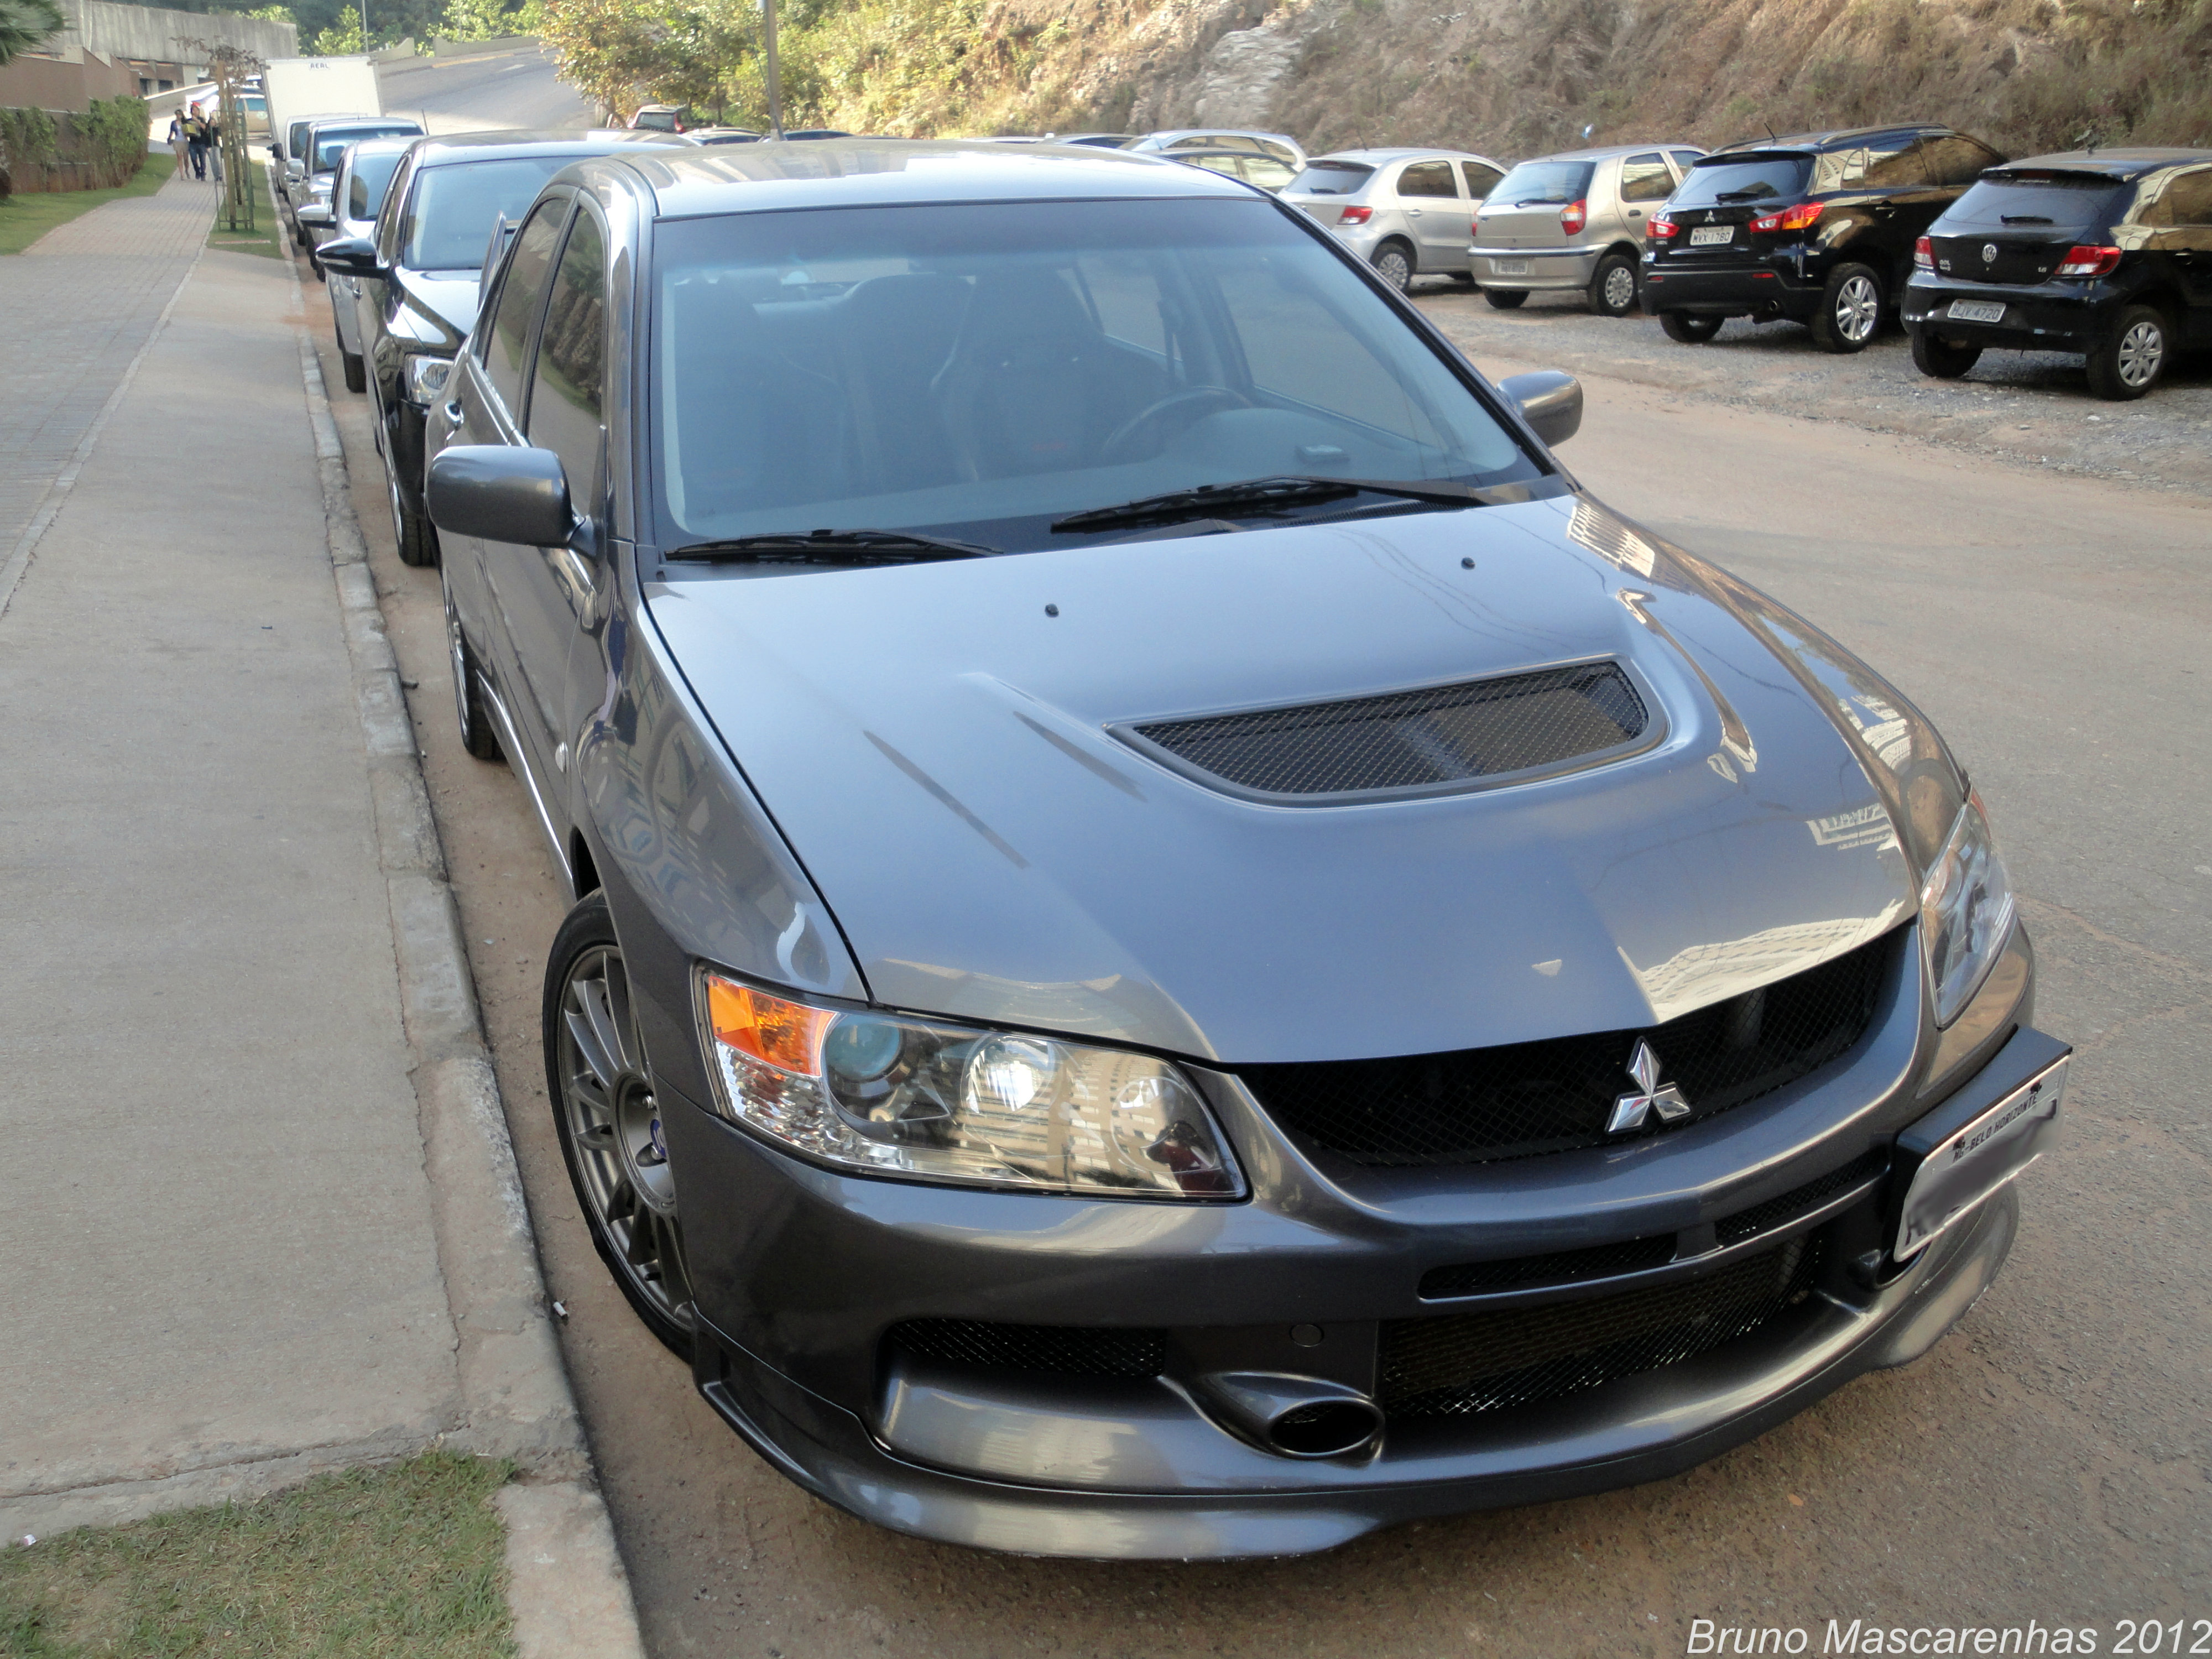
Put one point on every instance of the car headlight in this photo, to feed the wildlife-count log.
(426, 377)
(1965, 911)
(888, 1095)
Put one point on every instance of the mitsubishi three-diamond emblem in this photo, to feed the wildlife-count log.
(1630, 1111)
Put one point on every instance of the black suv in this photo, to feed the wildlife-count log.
(1819, 229)
(2108, 253)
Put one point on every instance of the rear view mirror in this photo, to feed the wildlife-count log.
(352, 256)
(498, 493)
(1548, 400)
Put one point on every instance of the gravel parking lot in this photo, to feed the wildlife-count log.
(2032, 409)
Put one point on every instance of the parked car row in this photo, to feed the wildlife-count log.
(835, 539)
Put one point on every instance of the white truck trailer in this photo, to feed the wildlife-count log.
(300, 89)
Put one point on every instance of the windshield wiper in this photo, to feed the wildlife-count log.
(2026, 219)
(830, 547)
(1268, 495)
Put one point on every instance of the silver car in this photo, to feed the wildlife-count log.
(363, 173)
(1403, 211)
(1281, 146)
(1574, 220)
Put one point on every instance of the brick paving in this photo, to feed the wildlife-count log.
(75, 308)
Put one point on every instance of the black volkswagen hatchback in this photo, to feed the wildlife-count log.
(1818, 228)
(2107, 254)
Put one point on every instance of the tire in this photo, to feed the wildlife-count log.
(1690, 328)
(356, 371)
(609, 1125)
(1613, 285)
(1851, 309)
(418, 541)
(1940, 360)
(2132, 356)
(1394, 263)
(476, 735)
(1506, 299)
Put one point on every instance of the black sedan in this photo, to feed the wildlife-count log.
(1817, 229)
(1181, 947)
(418, 275)
(2108, 253)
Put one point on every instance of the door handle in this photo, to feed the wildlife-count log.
(1636, 213)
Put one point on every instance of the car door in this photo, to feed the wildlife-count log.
(1480, 179)
(1645, 182)
(1884, 190)
(1437, 212)
(487, 407)
(371, 305)
(547, 595)
(2180, 221)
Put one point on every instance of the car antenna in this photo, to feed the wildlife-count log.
(1771, 137)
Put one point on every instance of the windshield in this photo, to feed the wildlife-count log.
(1731, 180)
(1332, 178)
(1543, 181)
(329, 146)
(2058, 202)
(370, 176)
(977, 371)
(450, 219)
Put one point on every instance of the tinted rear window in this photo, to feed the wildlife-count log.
(2033, 202)
(1332, 178)
(370, 176)
(1543, 181)
(1738, 179)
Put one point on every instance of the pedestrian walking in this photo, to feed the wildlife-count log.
(179, 145)
(214, 145)
(195, 138)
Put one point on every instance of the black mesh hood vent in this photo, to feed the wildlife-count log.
(1439, 738)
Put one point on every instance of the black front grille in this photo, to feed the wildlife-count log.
(1465, 1364)
(1064, 1350)
(1801, 1201)
(1522, 1272)
(1439, 736)
(1482, 1104)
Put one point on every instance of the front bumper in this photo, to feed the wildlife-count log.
(2048, 317)
(801, 1274)
(1545, 267)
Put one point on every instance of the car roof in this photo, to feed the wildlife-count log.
(1603, 151)
(1819, 143)
(1217, 132)
(691, 181)
(447, 151)
(1378, 157)
(394, 143)
(320, 121)
(2130, 161)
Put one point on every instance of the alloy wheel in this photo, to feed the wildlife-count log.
(1394, 268)
(1620, 288)
(1858, 307)
(2141, 350)
(613, 1125)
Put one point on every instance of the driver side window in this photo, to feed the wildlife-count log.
(508, 339)
(567, 385)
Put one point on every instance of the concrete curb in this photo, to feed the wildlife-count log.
(567, 1586)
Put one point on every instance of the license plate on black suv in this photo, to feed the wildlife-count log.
(1711, 235)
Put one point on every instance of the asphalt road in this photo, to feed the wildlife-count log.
(512, 89)
(2049, 1460)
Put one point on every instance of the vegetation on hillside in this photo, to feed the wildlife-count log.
(1509, 77)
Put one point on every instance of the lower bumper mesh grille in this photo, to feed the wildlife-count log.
(1063, 1350)
(1460, 1365)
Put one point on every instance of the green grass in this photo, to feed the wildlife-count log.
(266, 237)
(404, 1560)
(27, 216)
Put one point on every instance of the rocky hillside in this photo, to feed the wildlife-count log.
(1515, 77)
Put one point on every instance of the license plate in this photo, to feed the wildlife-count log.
(1509, 267)
(1711, 235)
(1971, 1160)
(1976, 310)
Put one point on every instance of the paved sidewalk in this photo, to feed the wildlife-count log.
(75, 307)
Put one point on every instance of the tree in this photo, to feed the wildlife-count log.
(24, 24)
(480, 20)
(344, 39)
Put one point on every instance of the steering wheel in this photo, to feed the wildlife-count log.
(1196, 397)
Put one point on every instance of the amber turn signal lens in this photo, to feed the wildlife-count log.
(786, 1034)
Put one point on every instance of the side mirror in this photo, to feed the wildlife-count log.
(276, 152)
(1549, 401)
(351, 255)
(321, 217)
(497, 493)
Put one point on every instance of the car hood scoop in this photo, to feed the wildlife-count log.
(1305, 793)
(1471, 734)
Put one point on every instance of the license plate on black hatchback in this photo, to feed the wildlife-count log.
(1976, 310)
(1711, 235)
